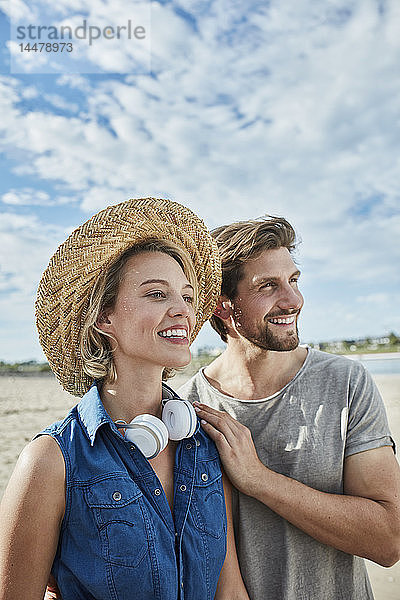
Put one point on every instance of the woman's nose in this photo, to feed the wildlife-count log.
(180, 307)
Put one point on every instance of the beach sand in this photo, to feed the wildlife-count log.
(28, 404)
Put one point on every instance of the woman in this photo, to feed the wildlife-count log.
(103, 500)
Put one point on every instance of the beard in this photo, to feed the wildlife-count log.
(267, 339)
(282, 343)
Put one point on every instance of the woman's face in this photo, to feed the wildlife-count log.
(153, 314)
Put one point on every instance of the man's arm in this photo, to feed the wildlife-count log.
(365, 521)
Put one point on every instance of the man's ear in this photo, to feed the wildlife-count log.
(223, 309)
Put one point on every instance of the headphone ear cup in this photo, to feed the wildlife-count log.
(180, 418)
(149, 434)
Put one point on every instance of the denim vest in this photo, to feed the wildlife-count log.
(119, 539)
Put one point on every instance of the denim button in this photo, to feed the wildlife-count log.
(131, 448)
(117, 496)
(183, 488)
(204, 476)
(197, 443)
(188, 446)
(157, 491)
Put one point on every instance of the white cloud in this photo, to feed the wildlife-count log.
(26, 244)
(378, 299)
(105, 36)
(353, 318)
(59, 102)
(27, 197)
(283, 108)
(17, 9)
(28, 93)
(306, 136)
(74, 81)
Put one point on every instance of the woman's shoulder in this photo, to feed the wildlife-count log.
(38, 480)
(57, 427)
(42, 457)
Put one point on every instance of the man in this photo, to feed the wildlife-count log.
(310, 454)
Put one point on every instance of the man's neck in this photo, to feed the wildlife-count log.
(253, 373)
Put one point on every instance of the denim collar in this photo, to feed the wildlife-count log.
(93, 415)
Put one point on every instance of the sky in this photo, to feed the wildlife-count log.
(234, 109)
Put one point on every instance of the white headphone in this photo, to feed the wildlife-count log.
(150, 434)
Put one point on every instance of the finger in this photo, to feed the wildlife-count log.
(218, 438)
(209, 413)
(220, 421)
(208, 410)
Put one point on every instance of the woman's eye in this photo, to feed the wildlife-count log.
(157, 294)
(188, 299)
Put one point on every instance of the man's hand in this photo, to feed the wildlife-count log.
(235, 446)
(364, 521)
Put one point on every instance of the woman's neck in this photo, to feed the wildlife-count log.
(136, 391)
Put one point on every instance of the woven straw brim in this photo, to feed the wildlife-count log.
(66, 284)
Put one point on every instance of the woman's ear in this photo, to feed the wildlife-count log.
(223, 309)
(103, 322)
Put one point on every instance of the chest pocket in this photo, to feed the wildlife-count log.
(118, 509)
(208, 502)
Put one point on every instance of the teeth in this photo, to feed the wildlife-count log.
(173, 333)
(286, 321)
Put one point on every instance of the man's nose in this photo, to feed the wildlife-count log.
(291, 298)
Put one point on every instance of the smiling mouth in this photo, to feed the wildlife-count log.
(283, 320)
(177, 334)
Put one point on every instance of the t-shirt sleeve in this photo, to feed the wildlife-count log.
(367, 426)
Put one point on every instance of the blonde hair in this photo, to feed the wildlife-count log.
(243, 241)
(96, 345)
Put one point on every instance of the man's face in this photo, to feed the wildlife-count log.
(268, 302)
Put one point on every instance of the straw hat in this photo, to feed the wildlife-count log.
(66, 284)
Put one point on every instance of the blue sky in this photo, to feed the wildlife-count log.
(234, 109)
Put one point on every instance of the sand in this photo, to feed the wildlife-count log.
(28, 404)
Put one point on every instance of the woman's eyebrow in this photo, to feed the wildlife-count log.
(162, 282)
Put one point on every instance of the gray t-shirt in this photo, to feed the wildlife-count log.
(330, 410)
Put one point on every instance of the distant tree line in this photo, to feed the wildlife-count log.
(387, 343)
(27, 367)
(203, 356)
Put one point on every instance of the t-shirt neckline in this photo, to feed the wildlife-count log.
(278, 393)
